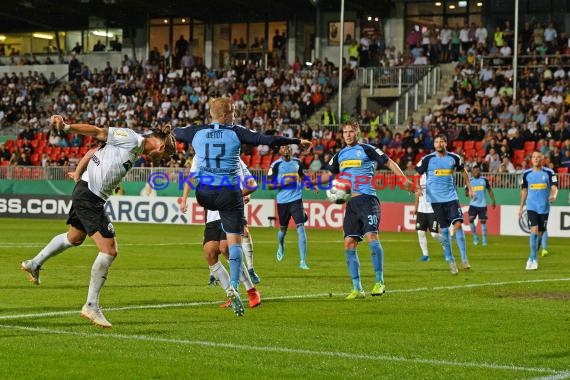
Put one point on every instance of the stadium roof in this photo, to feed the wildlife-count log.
(26, 15)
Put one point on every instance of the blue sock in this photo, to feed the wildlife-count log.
(484, 232)
(281, 237)
(302, 243)
(236, 254)
(377, 259)
(533, 246)
(353, 268)
(446, 244)
(544, 240)
(460, 237)
(473, 230)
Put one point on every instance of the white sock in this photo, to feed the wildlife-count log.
(244, 277)
(223, 277)
(247, 246)
(436, 236)
(423, 242)
(57, 245)
(99, 272)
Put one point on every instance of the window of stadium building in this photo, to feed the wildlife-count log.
(439, 13)
(101, 40)
(20, 44)
(164, 33)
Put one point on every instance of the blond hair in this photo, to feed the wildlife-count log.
(220, 108)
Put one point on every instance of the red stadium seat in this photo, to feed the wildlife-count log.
(469, 145)
(518, 156)
(529, 146)
(35, 158)
(5, 163)
(246, 158)
(255, 161)
(478, 145)
(266, 160)
(457, 145)
(83, 150)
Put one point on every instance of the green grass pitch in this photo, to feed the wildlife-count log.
(496, 321)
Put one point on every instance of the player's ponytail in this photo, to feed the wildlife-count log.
(164, 132)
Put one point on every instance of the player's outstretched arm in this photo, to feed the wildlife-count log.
(254, 138)
(553, 193)
(82, 129)
(492, 195)
(182, 205)
(524, 194)
(393, 166)
(465, 176)
(416, 202)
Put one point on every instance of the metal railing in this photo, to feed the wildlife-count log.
(415, 83)
(32, 174)
(527, 61)
(396, 76)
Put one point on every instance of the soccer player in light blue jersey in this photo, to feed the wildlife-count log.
(478, 205)
(539, 189)
(217, 146)
(285, 175)
(439, 167)
(356, 164)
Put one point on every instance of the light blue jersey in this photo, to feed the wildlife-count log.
(357, 164)
(538, 183)
(480, 187)
(217, 148)
(282, 169)
(440, 185)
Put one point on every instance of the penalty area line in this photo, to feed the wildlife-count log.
(285, 350)
(276, 298)
(555, 376)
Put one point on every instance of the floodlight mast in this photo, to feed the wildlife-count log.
(341, 48)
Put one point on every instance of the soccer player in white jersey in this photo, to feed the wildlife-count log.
(215, 242)
(425, 219)
(87, 216)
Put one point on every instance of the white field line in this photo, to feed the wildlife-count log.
(289, 297)
(274, 349)
(557, 376)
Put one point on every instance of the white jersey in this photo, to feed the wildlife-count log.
(423, 205)
(111, 163)
(212, 216)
